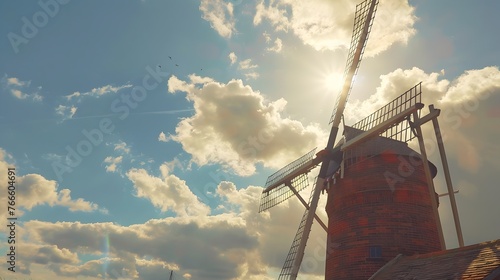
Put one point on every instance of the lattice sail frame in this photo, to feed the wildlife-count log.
(281, 193)
(400, 131)
(360, 18)
(287, 269)
(289, 168)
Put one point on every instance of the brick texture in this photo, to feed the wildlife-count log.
(381, 201)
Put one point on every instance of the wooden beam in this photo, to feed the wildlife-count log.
(447, 176)
(430, 183)
(434, 113)
(307, 207)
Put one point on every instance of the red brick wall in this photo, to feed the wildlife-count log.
(364, 210)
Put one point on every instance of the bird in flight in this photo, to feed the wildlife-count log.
(170, 57)
(177, 65)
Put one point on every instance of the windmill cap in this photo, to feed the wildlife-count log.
(380, 146)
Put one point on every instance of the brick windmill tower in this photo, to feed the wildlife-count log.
(381, 197)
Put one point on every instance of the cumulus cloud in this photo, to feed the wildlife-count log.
(21, 89)
(233, 58)
(167, 192)
(47, 254)
(234, 126)
(277, 46)
(19, 94)
(220, 16)
(240, 244)
(208, 248)
(122, 147)
(247, 64)
(33, 190)
(16, 82)
(162, 137)
(113, 162)
(460, 101)
(66, 112)
(251, 75)
(328, 24)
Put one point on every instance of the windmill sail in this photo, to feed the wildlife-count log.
(296, 253)
(282, 193)
(365, 13)
(295, 173)
(287, 270)
(363, 19)
(398, 130)
(404, 101)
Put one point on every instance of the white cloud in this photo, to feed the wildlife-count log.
(19, 94)
(105, 90)
(267, 36)
(97, 92)
(37, 97)
(233, 58)
(247, 64)
(73, 95)
(112, 163)
(44, 254)
(328, 24)
(277, 47)
(33, 190)
(195, 79)
(122, 147)
(175, 84)
(251, 75)
(19, 89)
(162, 137)
(275, 13)
(248, 68)
(461, 120)
(235, 127)
(240, 244)
(167, 192)
(66, 112)
(220, 16)
(16, 82)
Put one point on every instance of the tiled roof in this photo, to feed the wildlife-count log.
(478, 261)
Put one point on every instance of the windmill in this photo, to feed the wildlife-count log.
(399, 120)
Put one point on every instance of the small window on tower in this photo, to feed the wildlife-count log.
(375, 252)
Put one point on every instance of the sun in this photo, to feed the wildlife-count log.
(333, 81)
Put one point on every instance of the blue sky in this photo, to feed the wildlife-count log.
(192, 104)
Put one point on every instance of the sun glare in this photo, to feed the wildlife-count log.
(333, 81)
